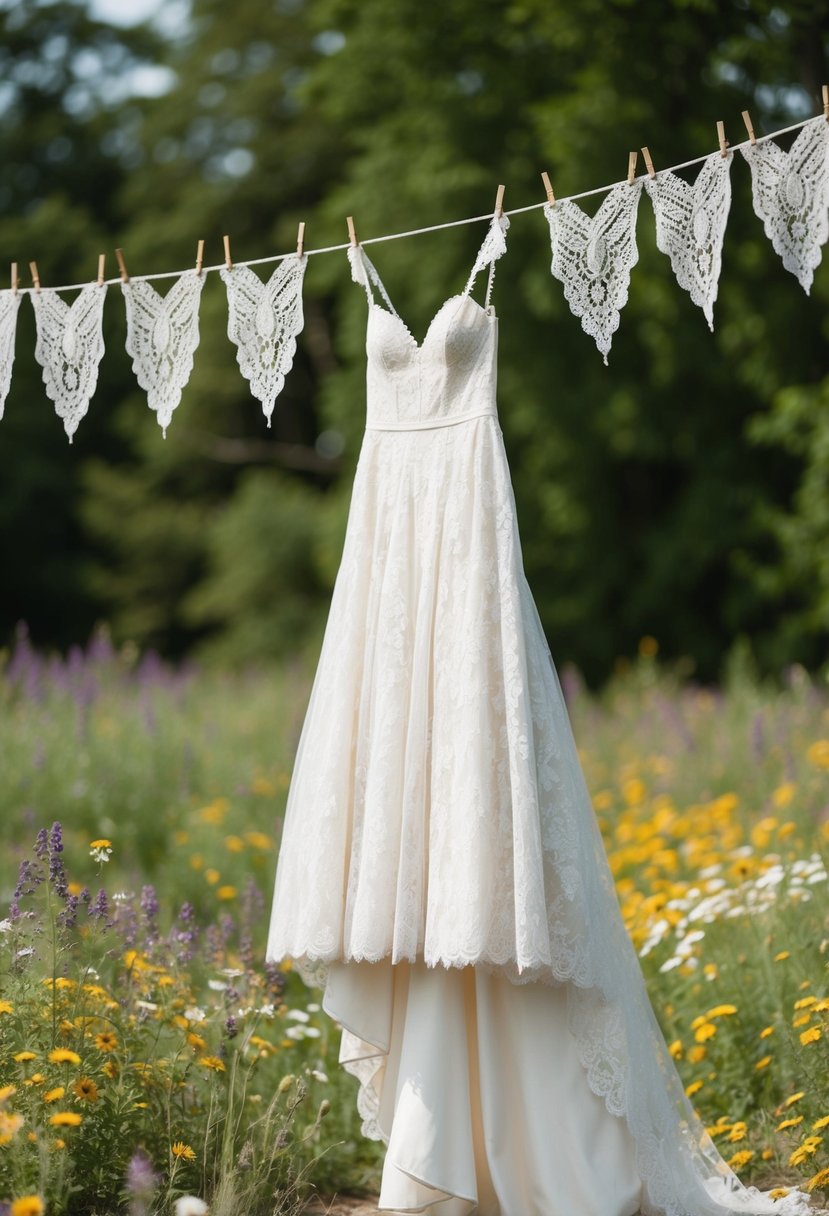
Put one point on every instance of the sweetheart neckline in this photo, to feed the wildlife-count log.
(418, 346)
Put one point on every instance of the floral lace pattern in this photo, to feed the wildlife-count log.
(264, 320)
(162, 335)
(9, 305)
(791, 196)
(593, 258)
(690, 226)
(69, 348)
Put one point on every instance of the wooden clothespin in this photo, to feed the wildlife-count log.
(632, 159)
(228, 260)
(749, 126)
(15, 279)
(548, 186)
(722, 139)
(102, 257)
(352, 232)
(646, 156)
(35, 275)
(199, 256)
(499, 201)
(826, 102)
(122, 265)
(300, 239)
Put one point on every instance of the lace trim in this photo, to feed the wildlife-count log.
(162, 336)
(69, 348)
(9, 305)
(790, 192)
(264, 320)
(593, 258)
(690, 226)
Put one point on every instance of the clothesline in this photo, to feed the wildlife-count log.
(395, 236)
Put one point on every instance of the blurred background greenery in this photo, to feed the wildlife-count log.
(682, 493)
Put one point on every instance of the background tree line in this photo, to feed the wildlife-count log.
(682, 492)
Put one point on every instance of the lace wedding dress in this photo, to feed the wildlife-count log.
(441, 872)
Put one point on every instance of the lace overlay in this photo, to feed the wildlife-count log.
(690, 226)
(438, 808)
(9, 305)
(791, 197)
(69, 348)
(593, 258)
(264, 320)
(162, 336)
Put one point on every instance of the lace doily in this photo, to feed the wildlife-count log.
(162, 334)
(69, 348)
(593, 258)
(264, 320)
(690, 226)
(791, 196)
(9, 304)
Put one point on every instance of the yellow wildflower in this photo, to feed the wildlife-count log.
(66, 1118)
(721, 1011)
(807, 1149)
(783, 795)
(27, 1205)
(818, 753)
(764, 1034)
(690, 1090)
(226, 892)
(212, 876)
(740, 1158)
(738, 1131)
(805, 1002)
(10, 1125)
(820, 1180)
(260, 841)
(7, 1091)
(781, 1127)
(234, 844)
(22, 1057)
(62, 1055)
(764, 1063)
(52, 1095)
(180, 1149)
(704, 1032)
(779, 1192)
(106, 1041)
(819, 1123)
(783, 954)
(86, 1089)
(792, 1098)
(675, 1049)
(697, 1053)
(196, 1041)
(211, 1062)
(810, 1036)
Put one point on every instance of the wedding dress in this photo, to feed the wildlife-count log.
(441, 872)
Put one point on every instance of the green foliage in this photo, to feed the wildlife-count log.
(650, 493)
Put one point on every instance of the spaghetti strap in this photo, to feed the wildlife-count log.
(363, 271)
(493, 247)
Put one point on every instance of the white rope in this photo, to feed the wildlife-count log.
(396, 236)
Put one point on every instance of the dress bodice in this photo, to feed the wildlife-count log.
(448, 377)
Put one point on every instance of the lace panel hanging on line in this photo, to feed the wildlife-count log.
(593, 258)
(264, 320)
(791, 196)
(690, 226)
(69, 348)
(9, 305)
(162, 335)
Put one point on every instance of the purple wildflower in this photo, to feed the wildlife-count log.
(184, 933)
(57, 874)
(100, 908)
(149, 910)
(42, 843)
(231, 1027)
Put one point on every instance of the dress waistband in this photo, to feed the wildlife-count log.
(428, 424)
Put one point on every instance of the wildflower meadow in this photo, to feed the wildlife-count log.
(151, 1061)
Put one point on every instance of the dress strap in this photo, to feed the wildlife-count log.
(494, 246)
(364, 272)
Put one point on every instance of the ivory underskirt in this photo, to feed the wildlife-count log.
(476, 1087)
